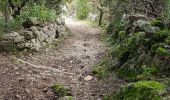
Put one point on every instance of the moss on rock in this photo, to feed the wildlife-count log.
(162, 51)
(158, 23)
(129, 50)
(143, 90)
(160, 36)
(167, 40)
(142, 53)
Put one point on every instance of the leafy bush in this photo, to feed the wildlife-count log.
(148, 73)
(162, 51)
(158, 23)
(40, 12)
(10, 26)
(129, 72)
(82, 9)
(167, 41)
(160, 36)
(132, 51)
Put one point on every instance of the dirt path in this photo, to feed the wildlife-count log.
(30, 77)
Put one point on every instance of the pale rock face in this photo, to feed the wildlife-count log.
(34, 37)
(19, 39)
(146, 26)
(10, 36)
(13, 37)
(27, 34)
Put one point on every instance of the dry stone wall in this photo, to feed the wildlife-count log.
(35, 37)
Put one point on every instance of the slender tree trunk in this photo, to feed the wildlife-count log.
(101, 17)
(7, 13)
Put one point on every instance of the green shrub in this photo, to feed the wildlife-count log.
(82, 9)
(167, 41)
(143, 90)
(158, 23)
(10, 26)
(132, 51)
(128, 72)
(61, 91)
(162, 51)
(148, 73)
(40, 12)
(160, 36)
(151, 84)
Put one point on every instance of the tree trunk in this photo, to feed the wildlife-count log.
(7, 13)
(101, 17)
(17, 9)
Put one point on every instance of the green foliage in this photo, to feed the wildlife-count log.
(148, 73)
(143, 90)
(135, 50)
(55, 5)
(151, 84)
(167, 41)
(61, 91)
(40, 12)
(155, 46)
(158, 23)
(162, 51)
(160, 36)
(2, 5)
(128, 71)
(125, 50)
(116, 8)
(166, 11)
(99, 71)
(82, 9)
(140, 55)
(12, 25)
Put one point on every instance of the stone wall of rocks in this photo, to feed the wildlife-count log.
(35, 37)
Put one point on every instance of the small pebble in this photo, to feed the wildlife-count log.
(88, 78)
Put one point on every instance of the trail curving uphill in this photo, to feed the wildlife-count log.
(30, 77)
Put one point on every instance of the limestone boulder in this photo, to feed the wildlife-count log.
(145, 26)
(13, 37)
(35, 37)
(27, 34)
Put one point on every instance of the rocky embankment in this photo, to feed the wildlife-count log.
(35, 36)
(141, 50)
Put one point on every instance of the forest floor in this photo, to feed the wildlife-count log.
(29, 77)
